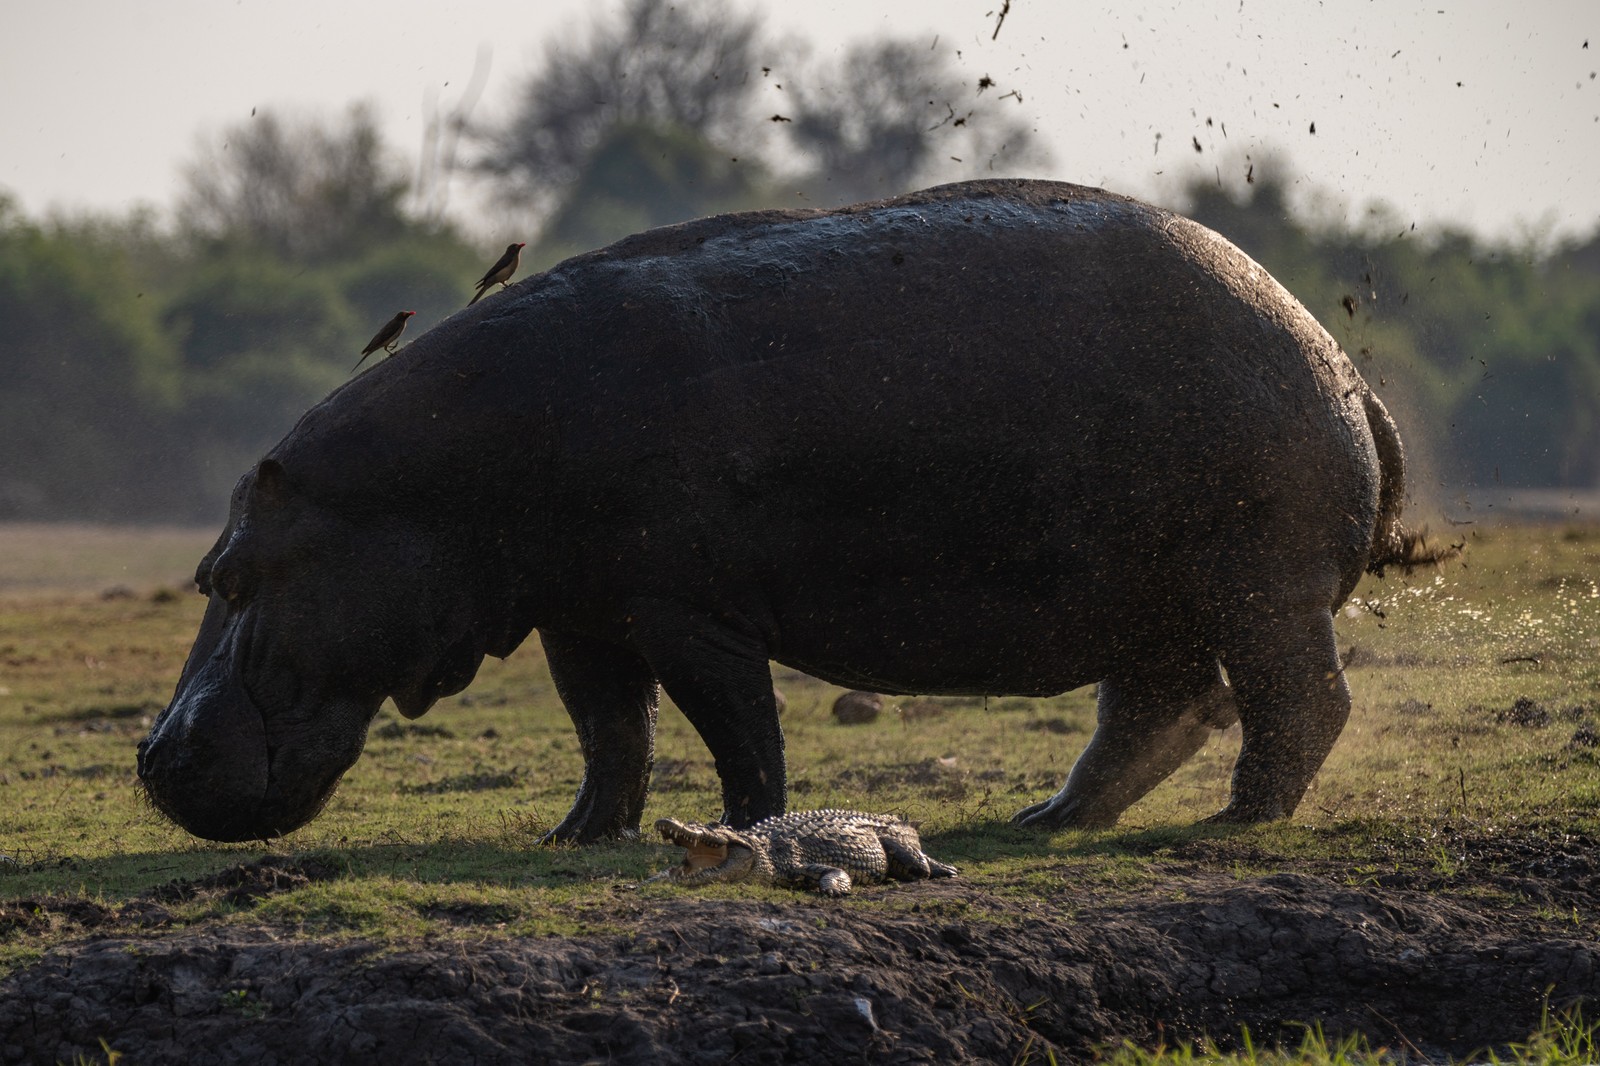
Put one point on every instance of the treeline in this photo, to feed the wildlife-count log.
(146, 361)
(142, 371)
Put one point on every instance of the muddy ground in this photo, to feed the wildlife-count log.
(1429, 958)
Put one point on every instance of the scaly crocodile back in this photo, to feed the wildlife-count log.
(825, 849)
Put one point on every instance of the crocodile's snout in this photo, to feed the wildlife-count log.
(711, 853)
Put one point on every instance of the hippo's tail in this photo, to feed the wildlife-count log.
(1392, 543)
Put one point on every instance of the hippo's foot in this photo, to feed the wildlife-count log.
(1148, 723)
(1063, 812)
(612, 697)
(589, 821)
(561, 834)
(717, 671)
(1293, 703)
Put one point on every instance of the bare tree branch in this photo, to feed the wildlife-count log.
(663, 65)
(890, 114)
(301, 189)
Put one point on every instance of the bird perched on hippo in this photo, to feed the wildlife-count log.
(387, 338)
(1002, 437)
(500, 273)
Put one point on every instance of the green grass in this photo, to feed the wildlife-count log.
(1561, 1040)
(440, 817)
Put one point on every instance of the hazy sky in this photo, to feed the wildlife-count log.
(1486, 113)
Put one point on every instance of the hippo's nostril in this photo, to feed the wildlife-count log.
(144, 756)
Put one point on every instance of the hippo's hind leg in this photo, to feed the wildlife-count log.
(1149, 722)
(719, 677)
(612, 697)
(1293, 703)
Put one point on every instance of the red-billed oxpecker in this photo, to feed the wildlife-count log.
(500, 273)
(387, 338)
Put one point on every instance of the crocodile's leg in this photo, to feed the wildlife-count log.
(820, 877)
(612, 697)
(907, 863)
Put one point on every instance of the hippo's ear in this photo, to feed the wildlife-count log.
(271, 485)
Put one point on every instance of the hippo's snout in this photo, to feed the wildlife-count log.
(217, 766)
(204, 764)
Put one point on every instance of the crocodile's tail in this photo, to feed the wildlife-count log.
(1392, 543)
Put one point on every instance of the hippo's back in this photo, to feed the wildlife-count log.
(939, 416)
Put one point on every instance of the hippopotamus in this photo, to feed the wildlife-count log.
(999, 437)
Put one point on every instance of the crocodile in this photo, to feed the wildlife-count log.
(820, 850)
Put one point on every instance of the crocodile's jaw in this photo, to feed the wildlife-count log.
(708, 863)
(700, 856)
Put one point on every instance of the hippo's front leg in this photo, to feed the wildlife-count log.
(717, 673)
(612, 697)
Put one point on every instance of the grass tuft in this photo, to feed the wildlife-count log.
(1562, 1039)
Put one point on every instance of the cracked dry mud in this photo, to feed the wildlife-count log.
(1426, 962)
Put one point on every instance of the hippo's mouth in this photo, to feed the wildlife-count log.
(236, 757)
(303, 773)
(304, 763)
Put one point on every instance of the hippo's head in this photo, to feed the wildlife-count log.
(316, 615)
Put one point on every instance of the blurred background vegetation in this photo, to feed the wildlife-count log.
(146, 361)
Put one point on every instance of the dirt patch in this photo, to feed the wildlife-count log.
(943, 778)
(1526, 713)
(50, 914)
(478, 781)
(244, 885)
(1531, 714)
(402, 730)
(956, 971)
(94, 715)
(467, 914)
